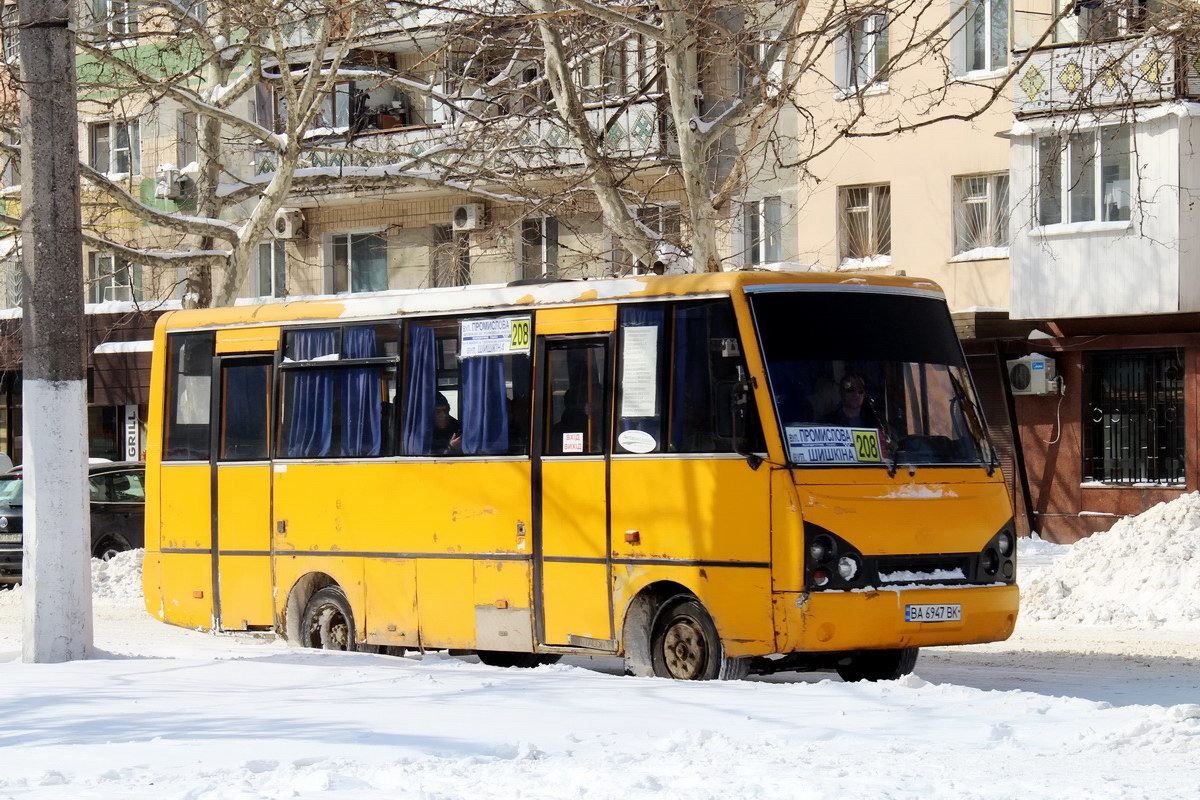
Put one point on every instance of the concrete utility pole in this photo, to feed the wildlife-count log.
(57, 569)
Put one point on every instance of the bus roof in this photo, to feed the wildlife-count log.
(519, 297)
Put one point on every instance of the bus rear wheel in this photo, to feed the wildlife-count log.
(684, 645)
(328, 623)
(502, 658)
(879, 665)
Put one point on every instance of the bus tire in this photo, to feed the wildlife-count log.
(879, 665)
(503, 658)
(328, 622)
(684, 644)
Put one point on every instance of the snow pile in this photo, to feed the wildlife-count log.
(118, 580)
(1144, 573)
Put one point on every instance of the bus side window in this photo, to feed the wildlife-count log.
(189, 384)
(454, 406)
(708, 363)
(642, 371)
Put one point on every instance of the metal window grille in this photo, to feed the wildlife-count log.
(1134, 426)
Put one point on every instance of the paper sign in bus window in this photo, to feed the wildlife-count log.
(639, 370)
(494, 336)
(833, 445)
(573, 442)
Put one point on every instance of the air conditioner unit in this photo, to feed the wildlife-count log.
(467, 217)
(1033, 375)
(168, 184)
(289, 223)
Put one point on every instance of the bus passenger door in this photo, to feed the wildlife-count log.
(570, 485)
(242, 492)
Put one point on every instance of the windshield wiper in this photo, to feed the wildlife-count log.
(976, 420)
(888, 439)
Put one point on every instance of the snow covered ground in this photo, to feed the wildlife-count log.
(1064, 709)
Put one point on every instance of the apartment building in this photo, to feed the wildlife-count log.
(1105, 265)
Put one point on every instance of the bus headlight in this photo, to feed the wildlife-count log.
(821, 549)
(847, 567)
(1004, 543)
(991, 561)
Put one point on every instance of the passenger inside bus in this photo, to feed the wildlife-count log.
(447, 433)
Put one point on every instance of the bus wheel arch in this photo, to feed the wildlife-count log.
(644, 622)
(299, 595)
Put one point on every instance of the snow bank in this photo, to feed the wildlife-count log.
(1143, 573)
(118, 581)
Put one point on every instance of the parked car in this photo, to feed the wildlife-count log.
(118, 496)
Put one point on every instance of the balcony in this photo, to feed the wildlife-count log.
(636, 133)
(1123, 72)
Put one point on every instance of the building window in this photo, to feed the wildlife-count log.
(14, 277)
(866, 222)
(1084, 177)
(983, 36)
(1134, 432)
(115, 147)
(114, 278)
(10, 35)
(980, 212)
(117, 17)
(270, 270)
(539, 247)
(762, 227)
(12, 164)
(450, 262)
(187, 146)
(359, 262)
(865, 52)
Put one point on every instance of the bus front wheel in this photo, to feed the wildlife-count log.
(684, 645)
(879, 665)
(328, 623)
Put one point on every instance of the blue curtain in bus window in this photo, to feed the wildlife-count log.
(421, 390)
(691, 412)
(484, 406)
(358, 393)
(309, 427)
(644, 317)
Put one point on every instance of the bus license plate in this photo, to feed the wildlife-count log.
(933, 612)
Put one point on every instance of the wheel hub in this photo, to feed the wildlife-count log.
(683, 649)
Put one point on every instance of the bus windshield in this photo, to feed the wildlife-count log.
(868, 378)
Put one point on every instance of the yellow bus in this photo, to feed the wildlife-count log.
(705, 474)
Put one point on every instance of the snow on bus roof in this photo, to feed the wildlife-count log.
(511, 296)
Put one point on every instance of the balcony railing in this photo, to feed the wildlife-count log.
(1121, 72)
(636, 132)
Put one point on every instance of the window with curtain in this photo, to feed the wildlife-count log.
(467, 388)
(339, 386)
(359, 262)
(1085, 176)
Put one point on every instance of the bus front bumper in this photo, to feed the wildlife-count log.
(861, 620)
